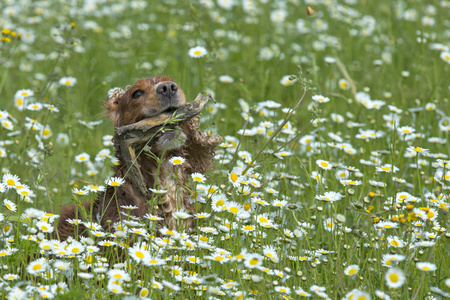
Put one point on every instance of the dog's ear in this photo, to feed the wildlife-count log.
(112, 105)
(199, 146)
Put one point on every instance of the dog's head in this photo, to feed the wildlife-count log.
(145, 99)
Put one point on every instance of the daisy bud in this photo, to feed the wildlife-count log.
(298, 233)
(83, 267)
(340, 218)
(119, 266)
(121, 234)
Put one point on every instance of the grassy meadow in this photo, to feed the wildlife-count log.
(332, 182)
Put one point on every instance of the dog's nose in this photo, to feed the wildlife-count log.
(168, 89)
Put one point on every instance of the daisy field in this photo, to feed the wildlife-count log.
(332, 180)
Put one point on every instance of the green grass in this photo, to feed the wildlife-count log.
(386, 61)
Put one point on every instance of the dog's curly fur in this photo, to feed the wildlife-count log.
(147, 98)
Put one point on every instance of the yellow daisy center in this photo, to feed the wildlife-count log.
(393, 277)
(233, 177)
(234, 210)
(395, 243)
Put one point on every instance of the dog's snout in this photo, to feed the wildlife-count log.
(167, 89)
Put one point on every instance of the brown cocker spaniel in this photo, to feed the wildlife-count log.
(148, 98)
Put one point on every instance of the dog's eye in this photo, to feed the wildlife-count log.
(137, 94)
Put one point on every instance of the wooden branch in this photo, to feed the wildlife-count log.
(147, 129)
